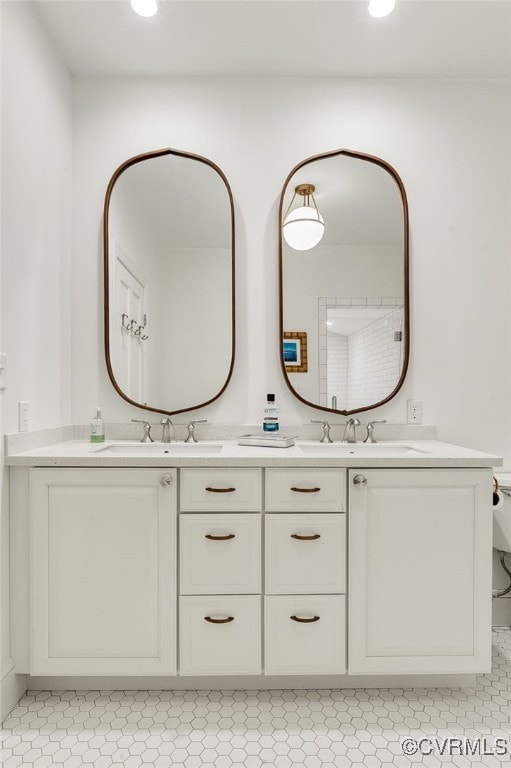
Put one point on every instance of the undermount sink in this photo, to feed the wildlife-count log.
(360, 449)
(158, 449)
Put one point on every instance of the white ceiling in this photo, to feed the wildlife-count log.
(422, 38)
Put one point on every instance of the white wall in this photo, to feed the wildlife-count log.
(449, 141)
(36, 216)
(198, 324)
(35, 280)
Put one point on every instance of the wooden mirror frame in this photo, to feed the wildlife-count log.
(406, 247)
(106, 274)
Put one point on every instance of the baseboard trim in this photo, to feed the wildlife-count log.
(12, 688)
(248, 683)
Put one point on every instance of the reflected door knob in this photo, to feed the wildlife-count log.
(166, 480)
(359, 480)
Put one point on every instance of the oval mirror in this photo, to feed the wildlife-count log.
(169, 281)
(343, 265)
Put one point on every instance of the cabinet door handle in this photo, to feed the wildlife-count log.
(227, 620)
(166, 480)
(304, 621)
(220, 490)
(212, 537)
(359, 480)
(305, 490)
(313, 537)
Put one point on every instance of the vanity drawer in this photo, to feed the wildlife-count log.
(221, 490)
(220, 554)
(220, 635)
(305, 489)
(305, 554)
(316, 645)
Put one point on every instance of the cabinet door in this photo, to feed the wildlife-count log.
(103, 572)
(420, 571)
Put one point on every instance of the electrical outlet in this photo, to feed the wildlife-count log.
(23, 416)
(414, 411)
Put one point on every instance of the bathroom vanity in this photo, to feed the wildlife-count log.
(189, 561)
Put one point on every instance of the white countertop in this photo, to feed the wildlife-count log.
(403, 453)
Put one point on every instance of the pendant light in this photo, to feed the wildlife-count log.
(303, 227)
(380, 8)
(145, 8)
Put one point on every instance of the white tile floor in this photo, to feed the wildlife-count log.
(315, 729)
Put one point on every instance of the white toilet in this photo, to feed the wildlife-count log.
(502, 516)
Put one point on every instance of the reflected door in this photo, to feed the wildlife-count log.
(129, 314)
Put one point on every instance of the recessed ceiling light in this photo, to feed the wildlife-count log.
(145, 7)
(380, 8)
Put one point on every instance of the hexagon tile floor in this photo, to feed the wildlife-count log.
(255, 729)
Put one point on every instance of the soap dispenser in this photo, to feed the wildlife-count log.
(97, 428)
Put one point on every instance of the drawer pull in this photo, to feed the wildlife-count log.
(304, 621)
(314, 537)
(227, 620)
(227, 537)
(305, 490)
(220, 490)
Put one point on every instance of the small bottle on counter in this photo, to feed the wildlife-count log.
(271, 415)
(97, 428)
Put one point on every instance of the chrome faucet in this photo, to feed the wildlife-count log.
(350, 435)
(167, 424)
(191, 430)
(370, 430)
(326, 431)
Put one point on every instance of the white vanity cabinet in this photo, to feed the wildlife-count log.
(420, 571)
(282, 571)
(103, 572)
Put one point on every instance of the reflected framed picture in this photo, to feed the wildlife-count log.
(294, 351)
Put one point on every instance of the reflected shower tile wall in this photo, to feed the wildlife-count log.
(378, 374)
(375, 360)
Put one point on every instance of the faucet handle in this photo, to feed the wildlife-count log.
(147, 430)
(191, 430)
(370, 428)
(326, 430)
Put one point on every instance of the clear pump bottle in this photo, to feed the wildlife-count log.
(97, 428)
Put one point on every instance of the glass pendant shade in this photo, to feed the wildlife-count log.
(380, 8)
(303, 228)
(145, 8)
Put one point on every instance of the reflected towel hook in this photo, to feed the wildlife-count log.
(134, 327)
